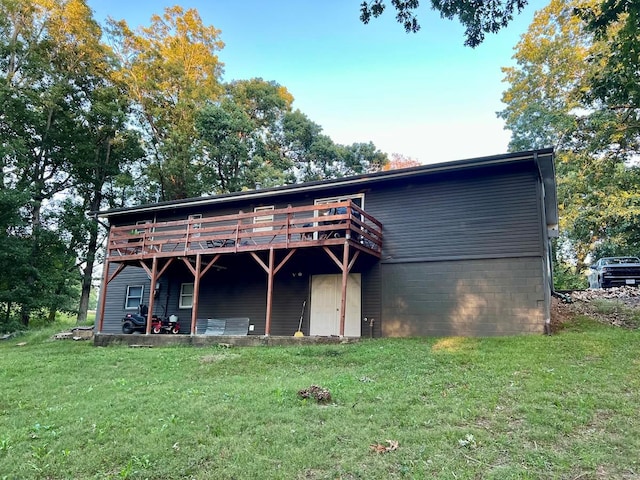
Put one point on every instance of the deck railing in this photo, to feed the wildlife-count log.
(291, 227)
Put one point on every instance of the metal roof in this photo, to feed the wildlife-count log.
(542, 157)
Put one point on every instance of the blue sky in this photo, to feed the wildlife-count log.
(423, 95)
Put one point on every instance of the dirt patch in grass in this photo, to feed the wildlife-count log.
(617, 306)
(218, 357)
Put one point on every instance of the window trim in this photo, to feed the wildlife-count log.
(194, 227)
(128, 297)
(182, 296)
(263, 218)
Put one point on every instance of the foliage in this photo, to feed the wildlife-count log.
(215, 412)
(170, 69)
(549, 102)
(87, 126)
(617, 83)
(565, 277)
(45, 86)
(478, 18)
(400, 161)
(252, 137)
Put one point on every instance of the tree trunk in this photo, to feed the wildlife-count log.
(87, 276)
(35, 251)
(7, 317)
(92, 246)
(25, 313)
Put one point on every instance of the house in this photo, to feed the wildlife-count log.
(456, 248)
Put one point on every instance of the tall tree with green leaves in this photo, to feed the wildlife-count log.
(110, 148)
(171, 70)
(50, 57)
(252, 137)
(617, 83)
(549, 103)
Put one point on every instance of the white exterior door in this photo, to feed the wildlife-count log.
(325, 305)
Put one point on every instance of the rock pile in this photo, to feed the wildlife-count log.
(613, 293)
(617, 306)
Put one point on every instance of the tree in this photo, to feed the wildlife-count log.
(266, 103)
(547, 104)
(251, 136)
(400, 161)
(51, 55)
(478, 17)
(171, 70)
(14, 253)
(111, 147)
(617, 83)
(228, 136)
(64, 135)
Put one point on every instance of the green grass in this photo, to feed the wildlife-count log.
(524, 407)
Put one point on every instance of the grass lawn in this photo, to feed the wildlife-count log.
(565, 407)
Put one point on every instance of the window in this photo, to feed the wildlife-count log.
(193, 230)
(141, 222)
(134, 297)
(186, 295)
(258, 219)
(358, 200)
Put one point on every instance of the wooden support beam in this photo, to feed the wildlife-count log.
(154, 277)
(333, 257)
(144, 266)
(103, 293)
(259, 261)
(345, 267)
(345, 277)
(353, 260)
(196, 293)
(189, 266)
(166, 265)
(270, 274)
(284, 260)
(209, 265)
(271, 270)
(121, 267)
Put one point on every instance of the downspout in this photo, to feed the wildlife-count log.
(548, 258)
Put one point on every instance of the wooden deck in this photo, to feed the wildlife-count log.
(288, 228)
(342, 230)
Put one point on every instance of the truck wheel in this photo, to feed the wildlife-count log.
(127, 328)
(175, 330)
(156, 329)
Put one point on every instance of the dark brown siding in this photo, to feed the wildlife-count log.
(467, 298)
(481, 214)
(462, 255)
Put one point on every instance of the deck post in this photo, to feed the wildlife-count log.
(103, 293)
(152, 290)
(196, 293)
(270, 274)
(345, 277)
